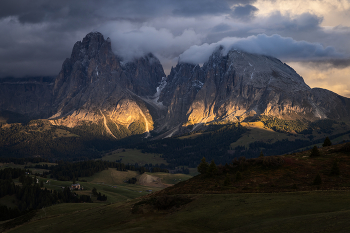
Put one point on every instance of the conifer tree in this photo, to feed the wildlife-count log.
(203, 166)
(327, 142)
(213, 169)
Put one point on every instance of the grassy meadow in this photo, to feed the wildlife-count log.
(317, 211)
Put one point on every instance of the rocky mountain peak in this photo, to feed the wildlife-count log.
(95, 85)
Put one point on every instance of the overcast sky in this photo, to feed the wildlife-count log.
(312, 36)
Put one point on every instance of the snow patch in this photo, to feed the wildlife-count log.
(198, 84)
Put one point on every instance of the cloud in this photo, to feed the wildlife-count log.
(137, 42)
(245, 12)
(284, 48)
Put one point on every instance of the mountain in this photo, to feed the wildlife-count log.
(96, 89)
(240, 86)
(94, 85)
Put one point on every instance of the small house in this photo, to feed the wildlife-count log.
(75, 186)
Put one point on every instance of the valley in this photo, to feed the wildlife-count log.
(236, 144)
(207, 203)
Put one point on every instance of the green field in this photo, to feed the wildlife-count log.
(316, 211)
(108, 182)
(132, 156)
(258, 132)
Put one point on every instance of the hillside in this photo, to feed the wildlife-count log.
(273, 194)
(267, 174)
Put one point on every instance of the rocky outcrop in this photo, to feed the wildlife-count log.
(240, 86)
(94, 83)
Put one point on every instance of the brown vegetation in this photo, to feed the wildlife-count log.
(296, 172)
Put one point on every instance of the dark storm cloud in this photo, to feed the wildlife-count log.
(339, 63)
(39, 34)
(36, 11)
(245, 12)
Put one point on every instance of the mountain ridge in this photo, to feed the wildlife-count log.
(95, 85)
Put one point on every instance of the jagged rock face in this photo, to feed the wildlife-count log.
(27, 96)
(145, 75)
(183, 84)
(95, 84)
(240, 86)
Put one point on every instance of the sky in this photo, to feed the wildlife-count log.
(311, 36)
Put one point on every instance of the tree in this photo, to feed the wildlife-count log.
(335, 169)
(94, 191)
(327, 142)
(238, 176)
(203, 166)
(213, 169)
(261, 154)
(74, 181)
(227, 180)
(315, 152)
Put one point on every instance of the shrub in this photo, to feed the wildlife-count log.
(346, 147)
(315, 152)
(273, 161)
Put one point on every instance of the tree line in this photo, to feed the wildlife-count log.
(29, 195)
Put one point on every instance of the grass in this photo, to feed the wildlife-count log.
(261, 134)
(315, 211)
(108, 182)
(258, 132)
(219, 208)
(133, 156)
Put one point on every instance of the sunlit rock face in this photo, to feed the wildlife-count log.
(240, 86)
(95, 84)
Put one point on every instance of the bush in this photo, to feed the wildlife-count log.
(273, 161)
(346, 147)
(315, 152)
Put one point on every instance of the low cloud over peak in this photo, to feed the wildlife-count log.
(284, 48)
